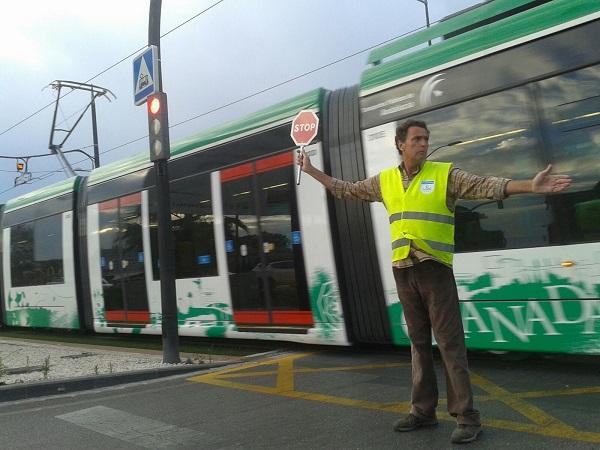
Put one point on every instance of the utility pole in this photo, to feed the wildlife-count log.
(159, 153)
(426, 14)
(95, 133)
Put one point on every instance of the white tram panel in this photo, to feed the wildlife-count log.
(95, 272)
(203, 303)
(381, 153)
(319, 260)
(43, 306)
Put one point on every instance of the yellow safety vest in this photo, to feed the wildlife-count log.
(419, 215)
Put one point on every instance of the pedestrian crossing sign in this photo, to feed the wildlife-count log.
(145, 75)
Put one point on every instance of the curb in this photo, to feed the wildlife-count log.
(56, 387)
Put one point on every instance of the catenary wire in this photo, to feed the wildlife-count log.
(254, 94)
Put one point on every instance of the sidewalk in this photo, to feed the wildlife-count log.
(34, 368)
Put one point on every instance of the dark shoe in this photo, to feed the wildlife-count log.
(463, 434)
(412, 422)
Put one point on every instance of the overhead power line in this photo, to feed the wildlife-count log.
(262, 91)
(254, 94)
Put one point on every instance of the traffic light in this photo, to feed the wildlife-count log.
(20, 166)
(158, 126)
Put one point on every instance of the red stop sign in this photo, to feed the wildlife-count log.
(304, 127)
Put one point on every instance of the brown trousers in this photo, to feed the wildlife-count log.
(429, 298)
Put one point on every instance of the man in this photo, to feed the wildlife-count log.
(420, 197)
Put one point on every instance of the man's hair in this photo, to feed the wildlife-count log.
(402, 130)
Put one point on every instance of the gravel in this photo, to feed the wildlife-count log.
(36, 361)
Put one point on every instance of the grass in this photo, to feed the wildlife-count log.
(136, 341)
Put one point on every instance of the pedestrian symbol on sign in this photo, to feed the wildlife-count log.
(143, 81)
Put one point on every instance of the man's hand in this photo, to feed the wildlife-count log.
(303, 160)
(544, 183)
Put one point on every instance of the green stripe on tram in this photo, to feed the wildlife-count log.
(39, 195)
(453, 24)
(477, 40)
(223, 133)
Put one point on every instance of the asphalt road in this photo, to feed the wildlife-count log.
(328, 399)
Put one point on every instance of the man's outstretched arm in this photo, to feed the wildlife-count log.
(309, 169)
(542, 183)
(367, 190)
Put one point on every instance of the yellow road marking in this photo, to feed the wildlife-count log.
(311, 370)
(284, 372)
(540, 394)
(533, 413)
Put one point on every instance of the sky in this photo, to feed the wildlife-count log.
(218, 52)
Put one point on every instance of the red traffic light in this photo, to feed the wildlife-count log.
(154, 105)
(158, 126)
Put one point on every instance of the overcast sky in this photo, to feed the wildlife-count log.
(234, 49)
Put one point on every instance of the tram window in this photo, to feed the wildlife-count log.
(571, 107)
(36, 254)
(498, 139)
(192, 222)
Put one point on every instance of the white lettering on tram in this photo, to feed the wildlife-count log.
(535, 313)
(559, 314)
(587, 315)
(470, 313)
(497, 318)
(389, 102)
(590, 317)
(524, 318)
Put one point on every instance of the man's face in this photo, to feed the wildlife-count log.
(414, 149)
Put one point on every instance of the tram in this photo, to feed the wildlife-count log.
(512, 84)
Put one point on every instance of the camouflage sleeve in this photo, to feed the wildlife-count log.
(468, 186)
(368, 190)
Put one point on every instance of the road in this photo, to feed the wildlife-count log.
(326, 399)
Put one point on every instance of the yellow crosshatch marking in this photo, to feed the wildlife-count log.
(282, 369)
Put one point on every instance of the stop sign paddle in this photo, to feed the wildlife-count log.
(304, 129)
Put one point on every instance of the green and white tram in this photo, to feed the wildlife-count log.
(517, 82)
(520, 93)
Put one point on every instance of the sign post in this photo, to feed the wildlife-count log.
(305, 127)
(146, 78)
(147, 88)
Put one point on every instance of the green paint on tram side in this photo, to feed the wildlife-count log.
(541, 286)
(21, 314)
(36, 317)
(324, 303)
(399, 337)
(18, 299)
(216, 327)
(98, 300)
(556, 315)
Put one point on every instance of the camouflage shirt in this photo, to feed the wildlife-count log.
(461, 185)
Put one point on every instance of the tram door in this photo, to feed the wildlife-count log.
(122, 262)
(264, 244)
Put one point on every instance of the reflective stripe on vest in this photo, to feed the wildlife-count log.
(419, 216)
(433, 244)
(422, 216)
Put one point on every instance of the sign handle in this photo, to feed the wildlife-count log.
(299, 151)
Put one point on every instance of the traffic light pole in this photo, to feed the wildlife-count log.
(170, 335)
